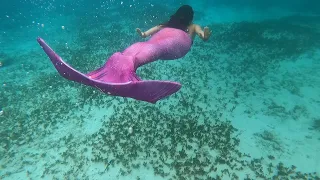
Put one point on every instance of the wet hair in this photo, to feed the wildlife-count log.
(181, 19)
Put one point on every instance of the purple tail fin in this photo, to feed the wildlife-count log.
(117, 77)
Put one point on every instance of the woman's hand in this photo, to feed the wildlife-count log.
(140, 33)
(207, 33)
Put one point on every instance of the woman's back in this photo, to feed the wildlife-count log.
(166, 44)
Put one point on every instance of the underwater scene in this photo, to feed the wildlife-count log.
(86, 95)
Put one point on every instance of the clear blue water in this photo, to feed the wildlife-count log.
(247, 109)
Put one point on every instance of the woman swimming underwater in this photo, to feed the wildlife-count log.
(117, 77)
(182, 20)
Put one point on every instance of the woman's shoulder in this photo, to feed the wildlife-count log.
(195, 25)
(191, 25)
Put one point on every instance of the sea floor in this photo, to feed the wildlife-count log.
(247, 109)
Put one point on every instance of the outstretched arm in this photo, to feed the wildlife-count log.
(149, 32)
(203, 34)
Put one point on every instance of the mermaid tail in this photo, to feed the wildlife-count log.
(118, 75)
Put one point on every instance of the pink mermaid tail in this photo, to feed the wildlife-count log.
(118, 75)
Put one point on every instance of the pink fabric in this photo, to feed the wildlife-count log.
(167, 44)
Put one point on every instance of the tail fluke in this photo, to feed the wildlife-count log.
(116, 77)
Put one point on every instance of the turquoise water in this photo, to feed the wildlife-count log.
(248, 107)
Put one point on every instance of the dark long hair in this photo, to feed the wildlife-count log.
(181, 19)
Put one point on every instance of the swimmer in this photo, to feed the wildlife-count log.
(168, 41)
(183, 20)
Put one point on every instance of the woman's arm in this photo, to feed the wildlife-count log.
(203, 34)
(149, 32)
